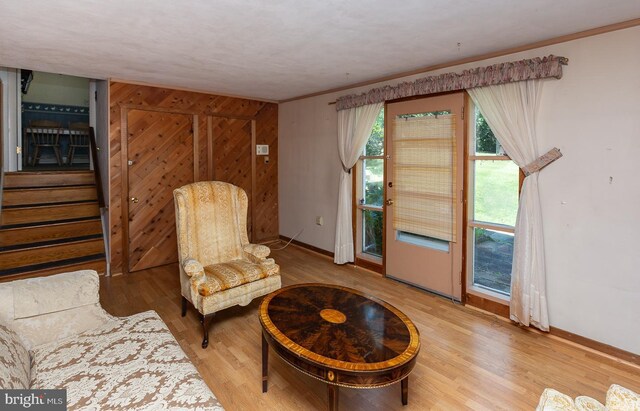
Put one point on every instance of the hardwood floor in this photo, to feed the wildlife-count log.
(468, 360)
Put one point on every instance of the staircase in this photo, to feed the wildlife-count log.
(50, 223)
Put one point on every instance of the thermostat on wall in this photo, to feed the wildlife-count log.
(262, 149)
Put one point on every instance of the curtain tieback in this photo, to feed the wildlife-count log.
(346, 170)
(542, 161)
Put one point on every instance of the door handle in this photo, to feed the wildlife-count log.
(134, 199)
(389, 202)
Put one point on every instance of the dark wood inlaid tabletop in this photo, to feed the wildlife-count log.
(339, 335)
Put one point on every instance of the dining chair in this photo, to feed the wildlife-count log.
(44, 133)
(78, 138)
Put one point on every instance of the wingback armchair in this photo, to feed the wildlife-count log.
(219, 268)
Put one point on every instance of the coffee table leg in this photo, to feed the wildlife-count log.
(332, 396)
(404, 386)
(265, 363)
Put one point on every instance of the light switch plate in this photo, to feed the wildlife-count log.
(262, 149)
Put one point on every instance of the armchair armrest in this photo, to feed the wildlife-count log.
(257, 250)
(192, 267)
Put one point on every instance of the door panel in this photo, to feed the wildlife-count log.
(232, 156)
(420, 252)
(160, 150)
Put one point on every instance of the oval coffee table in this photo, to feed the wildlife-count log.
(340, 336)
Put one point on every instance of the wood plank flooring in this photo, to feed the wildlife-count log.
(469, 360)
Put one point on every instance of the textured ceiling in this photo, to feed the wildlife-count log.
(277, 49)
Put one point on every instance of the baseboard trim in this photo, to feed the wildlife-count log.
(307, 246)
(603, 348)
(501, 312)
(487, 305)
(369, 265)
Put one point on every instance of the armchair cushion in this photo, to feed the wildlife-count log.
(14, 361)
(221, 277)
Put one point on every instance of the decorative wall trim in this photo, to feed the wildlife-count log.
(54, 108)
(535, 68)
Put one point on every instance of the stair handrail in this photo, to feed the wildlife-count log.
(96, 167)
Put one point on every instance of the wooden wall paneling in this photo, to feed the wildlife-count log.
(233, 157)
(209, 148)
(161, 147)
(195, 131)
(266, 179)
(144, 97)
(252, 210)
(123, 192)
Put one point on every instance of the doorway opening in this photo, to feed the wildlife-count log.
(55, 117)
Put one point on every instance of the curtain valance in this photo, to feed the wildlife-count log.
(535, 68)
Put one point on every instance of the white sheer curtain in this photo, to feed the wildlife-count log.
(510, 110)
(354, 128)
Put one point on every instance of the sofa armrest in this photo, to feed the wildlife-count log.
(45, 309)
(258, 250)
(43, 295)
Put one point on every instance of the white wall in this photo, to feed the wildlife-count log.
(590, 197)
(10, 116)
(53, 88)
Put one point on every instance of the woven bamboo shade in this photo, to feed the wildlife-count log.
(424, 169)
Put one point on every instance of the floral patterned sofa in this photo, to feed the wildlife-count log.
(54, 334)
(618, 399)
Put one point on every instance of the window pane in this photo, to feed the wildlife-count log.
(492, 256)
(373, 180)
(486, 142)
(372, 232)
(496, 191)
(375, 144)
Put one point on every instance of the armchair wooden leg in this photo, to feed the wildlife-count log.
(206, 323)
(184, 306)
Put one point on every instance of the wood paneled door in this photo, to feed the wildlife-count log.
(159, 158)
(232, 144)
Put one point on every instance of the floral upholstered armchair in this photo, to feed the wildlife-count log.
(218, 266)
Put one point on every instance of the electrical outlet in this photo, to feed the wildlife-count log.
(319, 220)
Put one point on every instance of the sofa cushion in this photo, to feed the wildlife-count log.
(14, 361)
(584, 403)
(128, 363)
(52, 308)
(552, 400)
(622, 399)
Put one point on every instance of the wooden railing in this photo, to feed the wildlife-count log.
(96, 167)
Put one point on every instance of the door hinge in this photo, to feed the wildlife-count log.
(460, 278)
(463, 112)
(18, 150)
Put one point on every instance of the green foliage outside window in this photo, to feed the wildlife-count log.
(485, 140)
